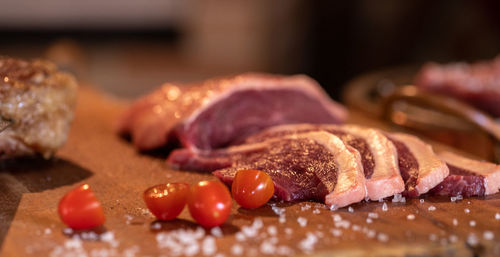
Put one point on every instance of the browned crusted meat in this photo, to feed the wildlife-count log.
(38, 101)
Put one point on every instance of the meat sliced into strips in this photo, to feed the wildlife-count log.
(220, 112)
(478, 83)
(420, 168)
(309, 166)
(468, 177)
(36, 103)
(378, 154)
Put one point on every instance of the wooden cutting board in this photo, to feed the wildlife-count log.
(31, 188)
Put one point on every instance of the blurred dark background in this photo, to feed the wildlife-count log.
(128, 47)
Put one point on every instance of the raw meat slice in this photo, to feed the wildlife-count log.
(478, 83)
(378, 154)
(221, 112)
(420, 168)
(468, 177)
(37, 102)
(309, 166)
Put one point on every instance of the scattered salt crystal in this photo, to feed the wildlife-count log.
(302, 221)
(271, 230)
(208, 246)
(307, 244)
(257, 223)
(216, 231)
(108, 236)
(240, 236)
(384, 207)
(397, 198)
(282, 219)
(367, 199)
(47, 231)
(497, 216)
(156, 226)
(350, 209)
(373, 215)
(455, 222)
(67, 231)
(466, 210)
(433, 237)
(267, 247)
(410, 217)
(343, 224)
(382, 237)
(333, 207)
(305, 207)
(431, 208)
(453, 238)
(422, 200)
(370, 233)
(236, 249)
(380, 200)
(336, 232)
(356, 228)
(249, 231)
(191, 249)
(368, 220)
(336, 217)
(279, 211)
(453, 199)
(73, 243)
(459, 197)
(488, 235)
(402, 200)
(316, 211)
(472, 223)
(472, 239)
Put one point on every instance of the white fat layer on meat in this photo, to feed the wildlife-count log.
(432, 170)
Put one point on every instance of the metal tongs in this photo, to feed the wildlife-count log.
(411, 107)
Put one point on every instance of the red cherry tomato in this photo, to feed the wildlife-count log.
(80, 209)
(209, 203)
(166, 201)
(252, 188)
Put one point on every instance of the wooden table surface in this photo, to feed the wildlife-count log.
(31, 188)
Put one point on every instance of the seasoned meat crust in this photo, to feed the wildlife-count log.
(38, 101)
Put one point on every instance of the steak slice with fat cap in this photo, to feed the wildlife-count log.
(220, 112)
(420, 168)
(468, 177)
(308, 166)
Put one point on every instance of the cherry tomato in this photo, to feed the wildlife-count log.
(252, 188)
(166, 201)
(209, 203)
(80, 209)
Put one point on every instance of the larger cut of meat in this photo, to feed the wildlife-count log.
(221, 112)
(36, 102)
(468, 177)
(309, 166)
(478, 83)
(419, 166)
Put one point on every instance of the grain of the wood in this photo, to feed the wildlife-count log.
(118, 175)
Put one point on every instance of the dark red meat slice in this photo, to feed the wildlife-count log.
(468, 177)
(478, 84)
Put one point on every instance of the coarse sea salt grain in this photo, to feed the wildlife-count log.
(397, 198)
(422, 200)
(472, 223)
(373, 215)
(453, 238)
(488, 235)
(497, 216)
(384, 207)
(236, 249)
(410, 217)
(350, 209)
(216, 231)
(369, 220)
(336, 232)
(431, 208)
(455, 222)
(382, 237)
(267, 248)
(47, 231)
(316, 211)
(336, 217)
(302, 221)
(307, 244)
(305, 207)
(472, 239)
(271, 230)
(466, 210)
(208, 246)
